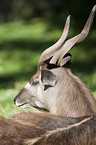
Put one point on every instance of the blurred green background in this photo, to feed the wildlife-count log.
(27, 27)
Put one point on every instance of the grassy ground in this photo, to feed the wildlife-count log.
(21, 44)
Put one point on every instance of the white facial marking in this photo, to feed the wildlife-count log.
(39, 104)
(17, 104)
(22, 105)
(25, 106)
(28, 85)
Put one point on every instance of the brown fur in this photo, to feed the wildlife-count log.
(46, 129)
(35, 76)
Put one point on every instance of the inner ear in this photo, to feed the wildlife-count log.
(47, 77)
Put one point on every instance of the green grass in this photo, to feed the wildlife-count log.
(21, 44)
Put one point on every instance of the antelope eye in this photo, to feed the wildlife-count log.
(35, 83)
(32, 82)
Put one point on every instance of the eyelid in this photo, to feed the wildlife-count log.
(35, 82)
(32, 82)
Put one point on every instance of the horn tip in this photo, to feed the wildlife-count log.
(94, 8)
(68, 17)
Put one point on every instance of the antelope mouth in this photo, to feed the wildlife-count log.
(23, 105)
(40, 109)
(26, 105)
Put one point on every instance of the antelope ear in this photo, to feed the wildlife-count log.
(47, 77)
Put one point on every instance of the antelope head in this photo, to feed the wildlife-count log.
(54, 87)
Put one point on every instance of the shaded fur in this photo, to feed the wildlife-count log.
(47, 129)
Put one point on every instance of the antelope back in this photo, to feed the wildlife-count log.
(40, 128)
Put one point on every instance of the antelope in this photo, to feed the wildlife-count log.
(33, 128)
(62, 87)
(54, 88)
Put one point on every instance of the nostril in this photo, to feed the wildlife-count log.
(15, 100)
